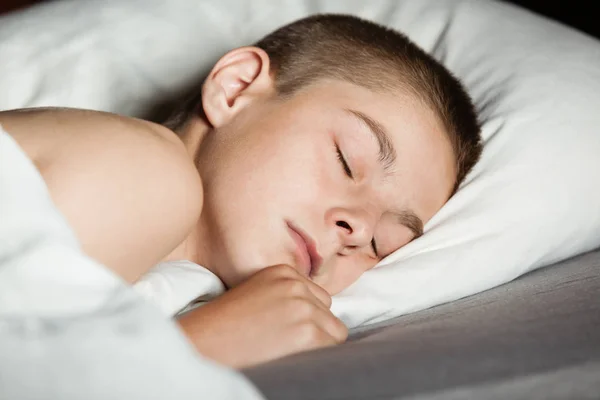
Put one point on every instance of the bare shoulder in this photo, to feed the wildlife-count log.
(127, 187)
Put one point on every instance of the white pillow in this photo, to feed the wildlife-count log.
(532, 200)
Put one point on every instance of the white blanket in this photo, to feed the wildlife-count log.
(174, 285)
(531, 201)
(70, 329)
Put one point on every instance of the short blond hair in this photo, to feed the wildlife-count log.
(348, 48)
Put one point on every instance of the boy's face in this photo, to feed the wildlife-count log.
(273, 171)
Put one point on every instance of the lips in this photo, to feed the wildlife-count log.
(306, 250)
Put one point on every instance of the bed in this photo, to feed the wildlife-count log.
(537, 337)
(485, 314)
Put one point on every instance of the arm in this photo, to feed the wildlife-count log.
(131, 195)
(78, 332)
(127, 187)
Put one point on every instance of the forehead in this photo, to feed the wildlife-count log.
(423, 175)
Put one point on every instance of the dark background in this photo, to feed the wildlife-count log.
(577, 13)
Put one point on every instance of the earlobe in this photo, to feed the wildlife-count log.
(238, 78)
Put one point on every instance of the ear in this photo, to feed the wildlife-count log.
(238, 78)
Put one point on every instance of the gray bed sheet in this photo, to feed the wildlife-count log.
(537, 337)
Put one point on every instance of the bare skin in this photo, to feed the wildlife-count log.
(279, 311)
(126, 186)
(294, 310)
(223, 193)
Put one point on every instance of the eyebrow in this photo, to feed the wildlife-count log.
(410, 220)
(387, 159)
(387, 154)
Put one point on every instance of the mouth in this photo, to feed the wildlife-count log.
(306, 250)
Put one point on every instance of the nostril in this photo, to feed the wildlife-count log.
(344, 224)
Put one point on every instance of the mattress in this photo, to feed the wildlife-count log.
(537, 337)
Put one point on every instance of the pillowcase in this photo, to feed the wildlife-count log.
(531, 201)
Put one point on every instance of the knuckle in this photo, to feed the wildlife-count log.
(295, 288)
(309, 334)
(282, 270)
(290, 287)
(301, 309)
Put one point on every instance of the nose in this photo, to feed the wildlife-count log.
(354, 227)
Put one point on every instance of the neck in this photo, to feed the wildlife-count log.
(193, 247)
(192, 135)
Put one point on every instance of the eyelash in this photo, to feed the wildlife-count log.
(343, 161)
(374, 247)
(349, 174)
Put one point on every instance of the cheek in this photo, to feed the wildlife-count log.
(345, 272)
(260, 179)
(298, 173)
(392, 236)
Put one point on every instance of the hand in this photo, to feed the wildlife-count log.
(276, 312)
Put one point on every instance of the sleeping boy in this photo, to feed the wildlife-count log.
(301, 163)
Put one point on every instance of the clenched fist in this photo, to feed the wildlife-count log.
(276, 312)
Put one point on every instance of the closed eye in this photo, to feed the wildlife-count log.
(374, 246)
(343, 162)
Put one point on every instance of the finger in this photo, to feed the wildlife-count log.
(336, 328)
(311, 336)
(321, 294)
(330, 324)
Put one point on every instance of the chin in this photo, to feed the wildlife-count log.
(331, 285)
(235, 274)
